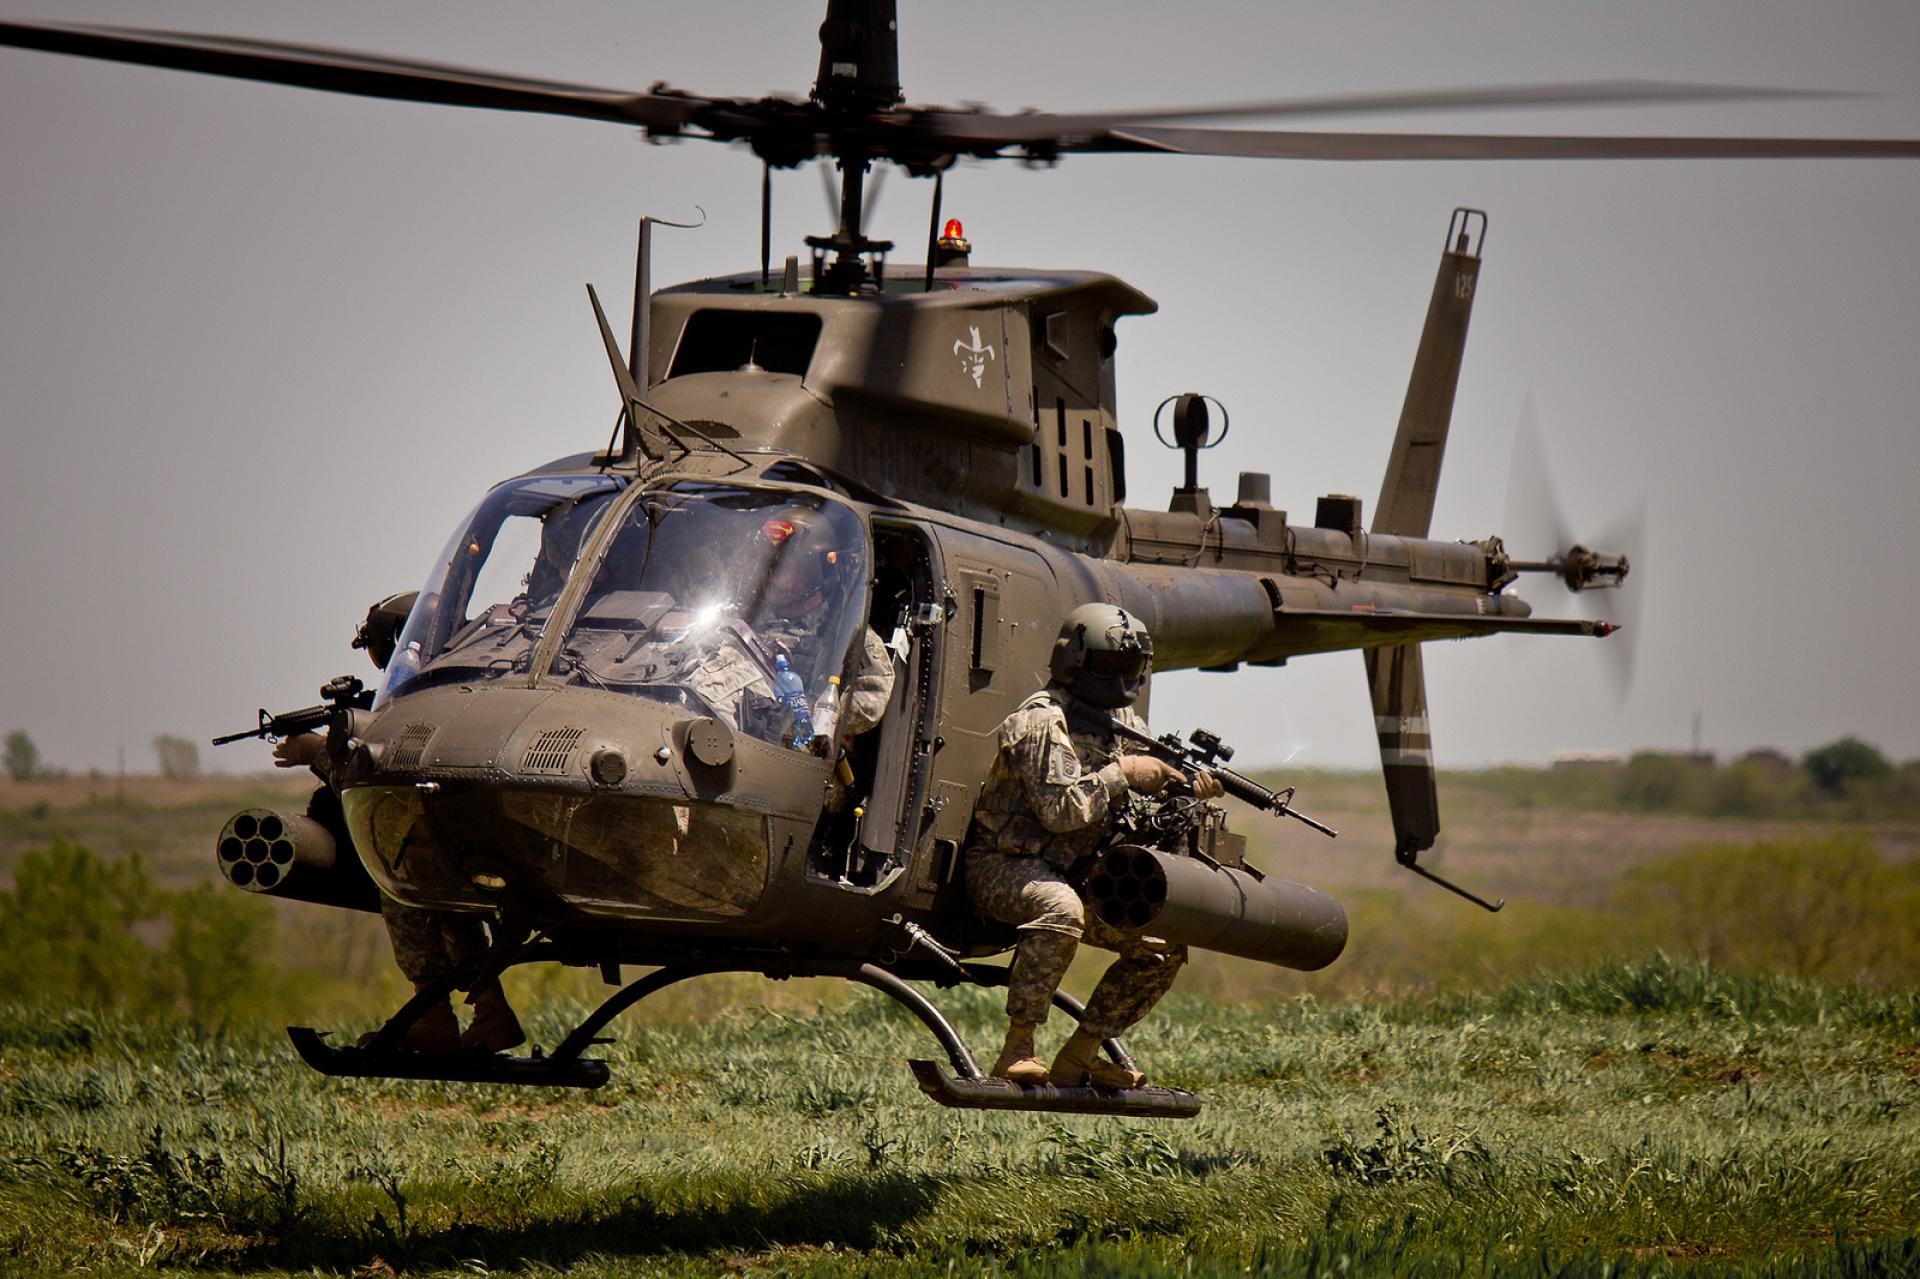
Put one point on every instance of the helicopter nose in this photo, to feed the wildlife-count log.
(569, 802)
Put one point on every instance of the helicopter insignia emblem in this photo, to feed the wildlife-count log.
(973, 359)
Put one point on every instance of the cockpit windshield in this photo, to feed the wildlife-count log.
(739, 603)
(490, 594)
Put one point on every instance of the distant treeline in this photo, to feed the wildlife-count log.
(1847, 780)
(80, 930)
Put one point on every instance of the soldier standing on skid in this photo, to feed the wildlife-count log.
(1048, 804)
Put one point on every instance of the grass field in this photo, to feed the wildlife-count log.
(1535, 1093)
(1643, 1118)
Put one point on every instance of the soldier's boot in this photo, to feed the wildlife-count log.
(434, 1031)
(1018, 1061)
(1079, 1063)
(494, 1029)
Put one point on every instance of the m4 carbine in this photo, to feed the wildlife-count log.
(1206, 752)
(343, 693)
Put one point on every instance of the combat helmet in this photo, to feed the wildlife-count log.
(1103, 656)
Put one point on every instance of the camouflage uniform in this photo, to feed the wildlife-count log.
(431, 944)
(427, 944)
(725, 675)
(1046, 805)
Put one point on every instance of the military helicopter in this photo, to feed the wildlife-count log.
(937, 444)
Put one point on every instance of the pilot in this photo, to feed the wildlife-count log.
(794, 613)
(797, 596)
(1048, 805)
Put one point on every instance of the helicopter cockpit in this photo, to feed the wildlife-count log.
(734, 602)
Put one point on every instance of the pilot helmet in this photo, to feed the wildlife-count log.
(1103, 656)
(381, 631)
(807, 565)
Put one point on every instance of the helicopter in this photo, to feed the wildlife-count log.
(949, 434)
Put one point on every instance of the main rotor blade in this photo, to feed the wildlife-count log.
(965, 127)
(1289, 145)
(345, 71)
(785, 132)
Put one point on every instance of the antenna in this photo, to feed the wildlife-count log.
(1192, 431)
(640, 335)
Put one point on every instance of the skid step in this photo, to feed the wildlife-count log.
(466, 1068)
(1003, 1094)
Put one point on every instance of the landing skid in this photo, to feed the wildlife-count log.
(565, 1067)
(1003, 1094)
(469, 1068)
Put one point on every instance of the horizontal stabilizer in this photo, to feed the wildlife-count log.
(1331, 630)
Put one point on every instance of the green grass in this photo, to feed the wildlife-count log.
(1646, 1117)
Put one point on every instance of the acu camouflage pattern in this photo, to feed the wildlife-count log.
(431, 944)
(1053, 921)
(1049, 792)
(734, 685)
(1048, 802)
(427, 944)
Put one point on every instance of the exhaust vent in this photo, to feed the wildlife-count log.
(410, 746)
(551, 750)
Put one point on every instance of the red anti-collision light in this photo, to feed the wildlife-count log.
(953, 230)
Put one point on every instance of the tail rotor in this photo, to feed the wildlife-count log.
(1537, 520)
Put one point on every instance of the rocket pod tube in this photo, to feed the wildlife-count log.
(1216, 908)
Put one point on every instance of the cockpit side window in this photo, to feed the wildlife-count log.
(494, 585)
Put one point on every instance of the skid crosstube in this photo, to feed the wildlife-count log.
(967, 1087)
(1003, 1094)
(468, 1068)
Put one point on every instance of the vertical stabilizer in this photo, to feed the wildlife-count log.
(1399, 686)
(1413, 470)
(1396, 676)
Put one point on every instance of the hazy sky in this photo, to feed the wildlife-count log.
(261, 347)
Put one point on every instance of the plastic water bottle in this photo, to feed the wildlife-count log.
(826, 711)
(793, 695)
(402, 668)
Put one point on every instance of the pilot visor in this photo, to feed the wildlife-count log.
(1127, 665)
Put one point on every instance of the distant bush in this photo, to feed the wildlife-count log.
(179, 757)
(1826, 907)
(68, 929)
(80, 929)
(1837, 764)
(1661, 783)
(215, 951)
(22, 756)
(1748, 788)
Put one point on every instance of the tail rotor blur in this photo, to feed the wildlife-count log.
(1537, 521)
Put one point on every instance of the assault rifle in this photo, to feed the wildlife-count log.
(343, 693)
(1206, 752)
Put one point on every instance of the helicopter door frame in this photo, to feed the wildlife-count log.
(896, 809)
